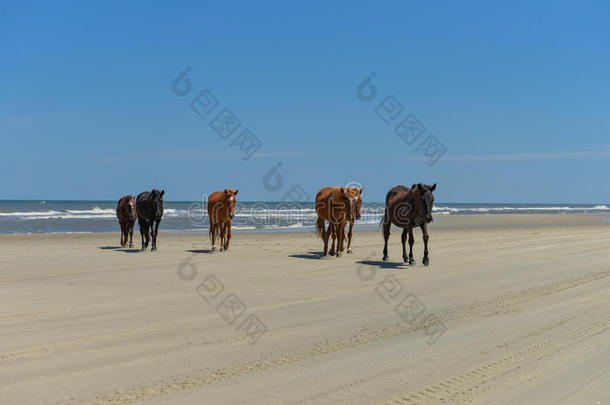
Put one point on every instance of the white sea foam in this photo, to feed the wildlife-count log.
(441, 209)
(249, 217)
(28, 214)
(93, 211)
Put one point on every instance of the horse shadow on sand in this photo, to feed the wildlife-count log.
(310, 256)
(120, 249)
(200, 251)
(384, 265)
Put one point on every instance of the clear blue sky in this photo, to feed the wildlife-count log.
(518, 92)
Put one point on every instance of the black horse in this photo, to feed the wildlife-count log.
(149, 206)
(408, 208)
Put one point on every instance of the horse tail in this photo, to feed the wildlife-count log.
(384, 219)
(320, 227)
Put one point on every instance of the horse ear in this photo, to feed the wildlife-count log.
(420, 187)
(361, 190)
(225, 191)
(433, 187)
(162, 193)
(236, 191)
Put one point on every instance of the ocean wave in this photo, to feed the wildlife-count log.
(101, 217)
(93, 211)
(456, 210)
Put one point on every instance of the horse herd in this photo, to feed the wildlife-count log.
(405, 207)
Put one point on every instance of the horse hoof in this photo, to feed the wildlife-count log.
(213, 248)
(385, 258)
(131, 246)
(406, 260)
(153, 249)
(222, 250)
(338, 254)
(331, 253)
(426, 261)
(411, 262)
(349, 251)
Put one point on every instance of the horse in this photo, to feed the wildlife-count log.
(221, 211)
(126, 213)
(149, 206)
(338, 206)
(408, 208)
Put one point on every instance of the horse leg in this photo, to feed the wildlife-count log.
(228, 236)
(340, 239)
(147, 230)
(349, 238)
(332, 228)
(213, 235)
(326, 235)
(152, 236)
(142, 225)
(154, 228)
(411, 242)
(403, 240)
(157, 232)
(322, 227)
(222, 236)
(122, 234)
(386, 235)
(131, 234)
(424, 229)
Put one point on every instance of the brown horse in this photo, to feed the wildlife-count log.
(338, 206)
(126, 213)
(408, 208)
(221, 210)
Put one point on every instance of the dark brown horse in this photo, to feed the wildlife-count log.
(149, 206)
(408, 208)
(338, 206)
(126, 213)
(221, 210)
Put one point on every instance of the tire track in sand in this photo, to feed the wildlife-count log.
(462, 387)
(371, 333)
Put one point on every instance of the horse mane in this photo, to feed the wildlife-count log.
(336, 194)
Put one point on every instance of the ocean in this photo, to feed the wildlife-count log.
(100, 216)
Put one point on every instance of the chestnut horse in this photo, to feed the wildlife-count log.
(408, 208)
(338, 206)
(126, 213)
(221, 210)
(149, 206)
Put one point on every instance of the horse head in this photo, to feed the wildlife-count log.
(352, 198)
(427, 199)
(131, 204)
(156, 198)
(229, 202)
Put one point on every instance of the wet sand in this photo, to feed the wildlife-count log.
(512, 309)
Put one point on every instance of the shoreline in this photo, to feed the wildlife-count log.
(452, 221)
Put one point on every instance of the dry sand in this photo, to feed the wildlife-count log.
(526, 311)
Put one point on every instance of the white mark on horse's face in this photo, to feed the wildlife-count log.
(231, 199)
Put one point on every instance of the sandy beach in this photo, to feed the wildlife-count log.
(512, 309)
